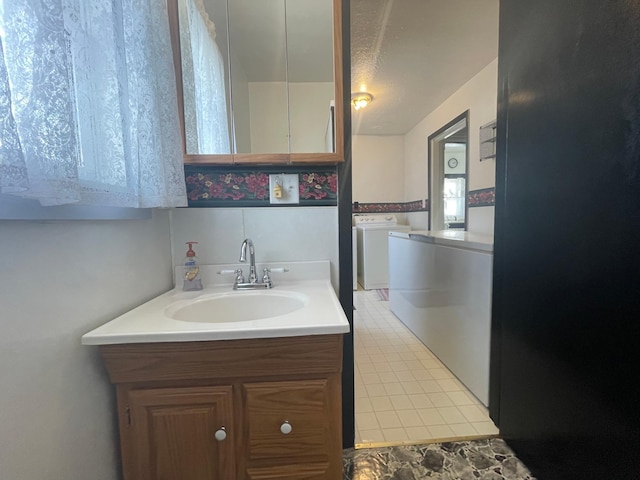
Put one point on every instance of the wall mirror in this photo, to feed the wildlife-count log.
(448, 173)
(258, 80)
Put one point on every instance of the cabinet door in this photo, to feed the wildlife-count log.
(290, 429)
(173, 433)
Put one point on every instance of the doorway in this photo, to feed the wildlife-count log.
(418, 81)
(448, 167)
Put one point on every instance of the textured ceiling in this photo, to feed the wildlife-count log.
(411, 55)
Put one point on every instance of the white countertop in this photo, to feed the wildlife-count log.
(149, 322)
(451, 238)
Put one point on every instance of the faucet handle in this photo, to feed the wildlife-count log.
(266, 273)
(266, 278)
(278, 270)
(237, 272)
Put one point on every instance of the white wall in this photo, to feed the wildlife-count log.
(59, 280)
(479, 96)
(378, 168)
(309, 108)
(481, 220)
(280, 234)
(417, 220)
(269, 117)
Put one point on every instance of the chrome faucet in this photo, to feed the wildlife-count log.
(253, 282)
(253, 277)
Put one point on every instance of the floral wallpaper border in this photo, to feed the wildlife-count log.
(484, 197)
(221, 186)
(214, 186)
(397, 207)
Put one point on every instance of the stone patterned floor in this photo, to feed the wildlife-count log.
(487, 459)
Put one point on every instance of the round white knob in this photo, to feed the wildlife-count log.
(221, 434)
(286, 428)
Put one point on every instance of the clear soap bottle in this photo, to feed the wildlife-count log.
(191, 279)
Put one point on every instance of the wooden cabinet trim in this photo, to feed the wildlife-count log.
(144, 362)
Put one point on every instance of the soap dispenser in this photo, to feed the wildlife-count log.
(191, 280)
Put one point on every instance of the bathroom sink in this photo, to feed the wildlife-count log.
(236, 306)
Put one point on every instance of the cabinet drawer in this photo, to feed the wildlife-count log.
(304, 405)
(291, 472)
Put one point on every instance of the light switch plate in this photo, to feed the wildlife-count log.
(290, 191)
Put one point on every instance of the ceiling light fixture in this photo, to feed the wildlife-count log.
(361, 99)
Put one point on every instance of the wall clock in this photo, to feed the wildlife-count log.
(452, 162)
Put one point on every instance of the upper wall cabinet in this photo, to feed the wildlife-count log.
(259, 81)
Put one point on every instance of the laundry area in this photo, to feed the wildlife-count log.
(372, 248)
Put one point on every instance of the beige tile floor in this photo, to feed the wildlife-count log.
(403, 392)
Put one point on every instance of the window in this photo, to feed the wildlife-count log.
(88, 110)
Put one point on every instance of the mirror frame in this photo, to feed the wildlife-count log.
(266, 158)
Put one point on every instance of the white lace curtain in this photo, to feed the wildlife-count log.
(88, 109)
(205, 104)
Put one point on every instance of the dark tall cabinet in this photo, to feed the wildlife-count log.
(566, 301)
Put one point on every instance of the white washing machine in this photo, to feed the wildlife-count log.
(373, 248)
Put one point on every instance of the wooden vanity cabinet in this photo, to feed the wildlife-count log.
(235, 409)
